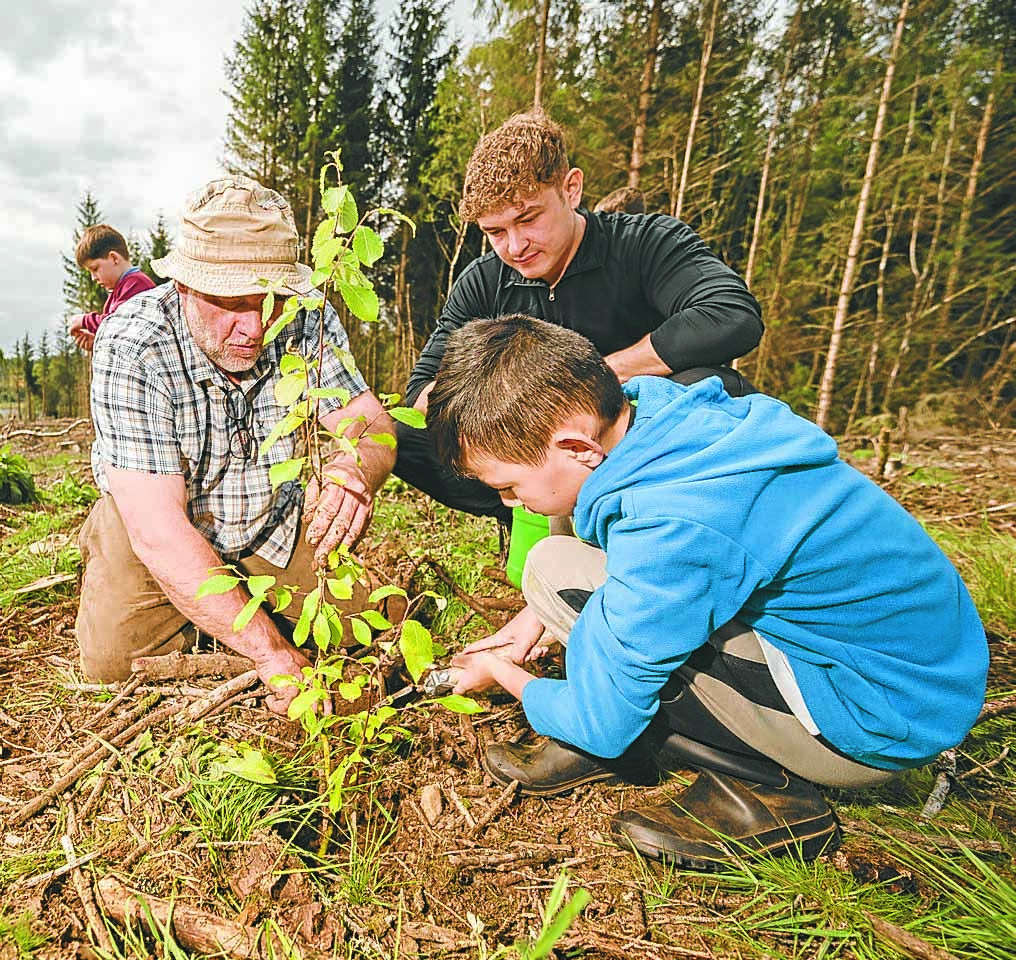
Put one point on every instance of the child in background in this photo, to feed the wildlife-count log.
(102, 251)
(741, 601)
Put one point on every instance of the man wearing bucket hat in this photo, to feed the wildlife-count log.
(182, 399)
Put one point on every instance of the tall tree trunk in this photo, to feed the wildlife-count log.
(825, 390)
(778, 107)
(963, 226)
(696, 108)
(541, 54)
(638, 142)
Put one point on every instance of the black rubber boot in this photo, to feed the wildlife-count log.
(553, 767)
(720, 819)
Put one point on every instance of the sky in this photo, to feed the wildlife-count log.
(124, 98)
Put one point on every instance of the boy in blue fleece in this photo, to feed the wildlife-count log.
(739, 600)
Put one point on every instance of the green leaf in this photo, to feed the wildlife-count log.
(381, 211)
(260, 584)
(350, 691)
(367, 245)
(417, 647)
(305, 700)
(325, 231)
(362, 302)
(348, 361)
(291, 309)
(375, 619)
(459, 704)
(410, 416)
(318, 277)
(322, 631)
(389, 590)
(247, 613)
(290, 388)
(291, 362)
(310, 607)
(251, 766)
(280, 473)
(268, 307)
(385, 439)
(341, 587)
(283, 598)
(220, 583)
(361, 631)
(333, 198)
(288, 424)
(348, 214)
(326, 252)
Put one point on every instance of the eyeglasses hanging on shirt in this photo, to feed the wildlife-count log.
(239, 407)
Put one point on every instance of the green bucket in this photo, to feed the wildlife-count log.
(527, 530)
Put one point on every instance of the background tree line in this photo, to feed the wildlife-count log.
(852, 159)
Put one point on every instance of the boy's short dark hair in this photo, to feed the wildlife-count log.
(622, 200)
(506, 385)
(513, 162)
(100, 241)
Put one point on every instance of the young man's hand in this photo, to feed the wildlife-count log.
(85, 339)
(485, 670)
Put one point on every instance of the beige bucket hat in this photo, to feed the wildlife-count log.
(234, 235)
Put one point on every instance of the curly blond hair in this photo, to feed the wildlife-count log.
(513, 162)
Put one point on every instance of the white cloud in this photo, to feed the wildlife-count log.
(123, 98)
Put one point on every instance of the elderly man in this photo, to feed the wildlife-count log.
(182, 398)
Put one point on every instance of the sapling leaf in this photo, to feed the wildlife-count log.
(291, 362)
(367, 245)
(326, 252)
(247, 613)
(362, 302)
(348, 215)
(319, 277)
(267, 306)
(417, 647)
(312, 302)
(280, 473)
(329, 393)
(283, 598)
(350, 691)
(322, 631)
(389, 590)
(287, 425)
(375, 619)
(310, 607)
(341, 587)
(459, 704)
(347, 360)
(220, 583)
(385, 439)
(361, 631)
(305, 700)
(324, 232)
(380, 211)
(260, 584)
(291, 309)
(289, 389)
(410, 416)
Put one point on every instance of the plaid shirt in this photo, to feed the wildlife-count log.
(158, 404)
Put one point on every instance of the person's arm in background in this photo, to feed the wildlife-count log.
(153, 508)
(711, 316)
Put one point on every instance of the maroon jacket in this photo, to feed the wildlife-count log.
(129, 285)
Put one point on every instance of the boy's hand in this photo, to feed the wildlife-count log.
(520, 640)
(82, 337)
(485, 670)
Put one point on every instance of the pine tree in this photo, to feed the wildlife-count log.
(81, 293)
(159, 244)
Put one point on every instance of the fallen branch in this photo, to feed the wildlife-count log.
(217, 697)
(611, 944)
(946, 766)
(197, 929)
(58, 872)
(87, 763)
(914, 837)
(84, 891)
(185, 666)
(42, 434)
(973, 513)
(44, 583)
(906, 941)
(996, 708)
(503, 801)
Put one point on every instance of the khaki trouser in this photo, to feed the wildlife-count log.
(560, 571)
(124, 614)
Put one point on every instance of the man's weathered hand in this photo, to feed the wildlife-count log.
(338, 512)
(285, 660)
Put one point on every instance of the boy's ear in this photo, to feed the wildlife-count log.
(582, 447)
(572, 186)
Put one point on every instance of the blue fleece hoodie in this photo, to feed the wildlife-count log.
(713, 508)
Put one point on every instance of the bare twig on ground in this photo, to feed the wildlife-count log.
(984, 767)
(907, 941)
(58, 872)
(218, 696)
(997, 708)
(616, 945)
(502, 802)
(42, 434)
(973, 513)
(946, 766)
(196, 929)
(44, 583)
(185, 666)
(129, 687)
(84, 892)
(922, 839)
